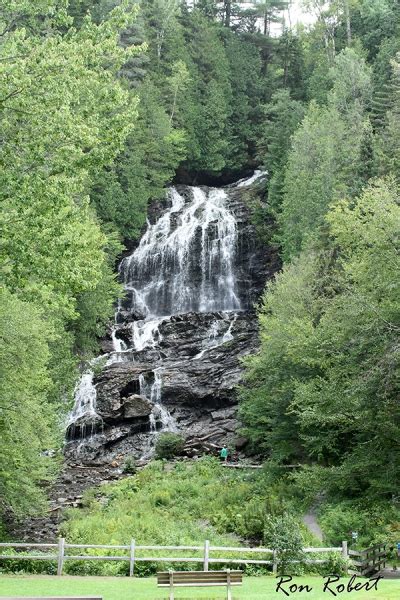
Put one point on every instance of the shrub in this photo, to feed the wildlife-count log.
(169, 445)
(129, 465)
(20, 565)
(340, 520)
(282, 534)
(161, 498)
(335, 565)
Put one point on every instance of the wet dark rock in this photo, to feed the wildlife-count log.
(118, 393)
(255, 262)
(137, 406)
(198, 384)
(66, 492)
(223, 414)
(241, 442)
(197, 355)
(84, 426)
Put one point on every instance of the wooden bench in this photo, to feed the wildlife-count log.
(172, 579)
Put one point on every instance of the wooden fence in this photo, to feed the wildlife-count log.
(369, 561)
(59, 553)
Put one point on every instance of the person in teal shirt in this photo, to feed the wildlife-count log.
(224, 453)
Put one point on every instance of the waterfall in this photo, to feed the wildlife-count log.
(120, 348)
(118, 345)
(247, 181)
(85, 405)
(185, 263)
(165, 275)
(227, 337)
(159, 415)
(160, 412)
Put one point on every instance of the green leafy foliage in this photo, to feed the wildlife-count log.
(129, 465)
(281, 119)
(282, 533)
(64, 116)
(327, 153)
(27, 419)
(169, 445)
(152, 153)
(322, 388)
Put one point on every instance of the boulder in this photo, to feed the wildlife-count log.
(136, 406)
(118, 393)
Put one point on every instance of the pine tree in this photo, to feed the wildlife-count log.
(388, 144)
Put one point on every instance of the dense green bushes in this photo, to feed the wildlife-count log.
(169, 445)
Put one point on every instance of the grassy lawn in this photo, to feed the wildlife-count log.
(113, 588)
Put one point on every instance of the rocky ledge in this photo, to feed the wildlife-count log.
(197, 364)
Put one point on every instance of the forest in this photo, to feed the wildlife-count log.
(103, 103)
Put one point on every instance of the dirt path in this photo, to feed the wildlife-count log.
(310, 521)
(388, 573)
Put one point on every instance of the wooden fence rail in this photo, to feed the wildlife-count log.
(131, 554)
(368, 561)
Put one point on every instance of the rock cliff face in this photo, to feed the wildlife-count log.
(173, 360)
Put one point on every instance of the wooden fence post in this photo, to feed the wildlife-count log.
(275, 562)
(206, 554)
(60, 563)
(132, 559)
(228, 585)
(345, 552)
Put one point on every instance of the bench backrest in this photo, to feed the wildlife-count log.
(199, 578)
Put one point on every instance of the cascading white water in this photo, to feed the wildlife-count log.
(215, 337)
(185, 262)
(118, 345)
(120, 348)
(85, 404)
(227, 337)
(160, 412)
(146, 334)
(165, 276)
(258, 175)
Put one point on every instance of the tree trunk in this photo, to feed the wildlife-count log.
(228, 12)
(265, 22)
(348, 22)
